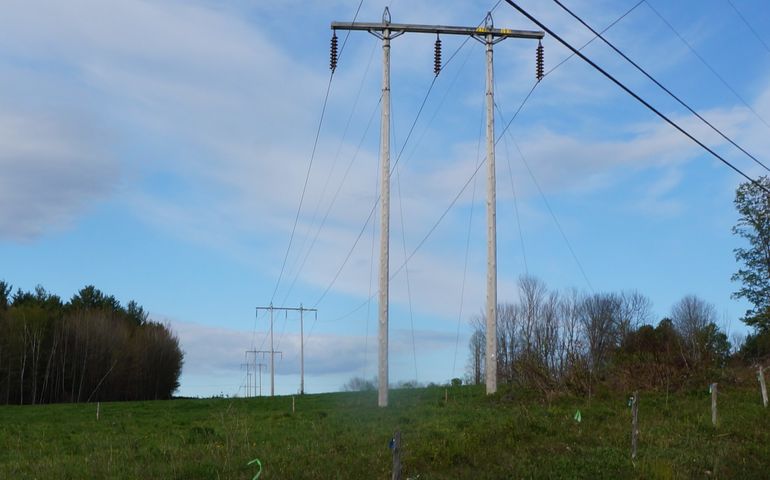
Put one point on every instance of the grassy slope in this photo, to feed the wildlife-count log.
(344, 435)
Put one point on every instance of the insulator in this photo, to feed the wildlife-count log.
(333, 62)
(540, 62)
(437, 57)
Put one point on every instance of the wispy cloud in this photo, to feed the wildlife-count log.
(53, 169)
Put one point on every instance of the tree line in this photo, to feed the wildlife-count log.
(552, 341)
(90, 348)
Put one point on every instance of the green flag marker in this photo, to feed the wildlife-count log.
(578, 417)
(259, 464)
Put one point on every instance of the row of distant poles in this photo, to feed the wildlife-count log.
(489, 36)
(254, 369)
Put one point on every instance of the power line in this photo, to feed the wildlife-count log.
(329, 177)
(368, 301)
(462, 190)
(568, 57)
(336, 195)
(550, 210)
(403, 243)
(442, 216)
(662, 87)
(310, 164)
(707, 64)
(516, 205)
(467, 248)
(636, 96)
(746, 22)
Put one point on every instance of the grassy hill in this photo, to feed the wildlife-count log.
(344, 435)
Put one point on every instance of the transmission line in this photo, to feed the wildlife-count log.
(636, 96)
(329, 177)
(312, 158)
(568, 57)
(746, 22)
(662, 87)
(467, 246)
(707, 64)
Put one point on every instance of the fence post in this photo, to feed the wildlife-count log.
(396, 447)
(714, 404)
(762, 386)
(634, 424)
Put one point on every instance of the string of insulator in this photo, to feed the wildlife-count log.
(437, 57)
(540, 62)
(333, 62)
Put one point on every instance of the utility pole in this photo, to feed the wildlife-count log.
(260, 365)
(286, 311)
(252, 367)
(271, 353)
(491, 350)
(386, 31)
(248, 378)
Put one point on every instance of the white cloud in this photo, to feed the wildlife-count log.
(52, 169)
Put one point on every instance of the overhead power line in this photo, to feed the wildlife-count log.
(746, 22)
(312, 158)
(635, 95)
(628, 12)
(656, 82)
(707, 65)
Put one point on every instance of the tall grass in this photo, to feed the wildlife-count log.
(344, 435)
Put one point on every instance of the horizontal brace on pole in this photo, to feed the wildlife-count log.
(437, 29)
(296, 309)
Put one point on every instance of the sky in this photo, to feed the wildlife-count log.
(159, 151)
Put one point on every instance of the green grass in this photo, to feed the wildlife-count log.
(344, 435)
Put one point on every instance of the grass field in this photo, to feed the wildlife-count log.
(344, 435)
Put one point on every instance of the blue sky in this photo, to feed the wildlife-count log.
(158, 150)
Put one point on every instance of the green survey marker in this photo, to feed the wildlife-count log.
(259, 464)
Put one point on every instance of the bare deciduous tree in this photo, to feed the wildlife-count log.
(691, 315)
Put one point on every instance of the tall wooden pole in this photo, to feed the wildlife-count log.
(386, 31)
(301, 351)
(272, 355)
(491, 349)
(634, 424)
(382, 399)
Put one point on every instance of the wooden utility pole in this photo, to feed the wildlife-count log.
(396, 447)
(386, 31)
(252, 367)
(634, 424)
(286, 311)
(268, 353)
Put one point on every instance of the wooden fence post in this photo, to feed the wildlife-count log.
(396, 447)
(762, 386)
(98, 405)
(714, 404)
(634, 424)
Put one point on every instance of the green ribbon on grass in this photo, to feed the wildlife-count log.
(259, 464)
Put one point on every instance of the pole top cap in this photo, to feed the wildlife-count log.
(488, 22)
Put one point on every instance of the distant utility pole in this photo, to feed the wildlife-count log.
(252, 370)
(272, 352)
(386, 31)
